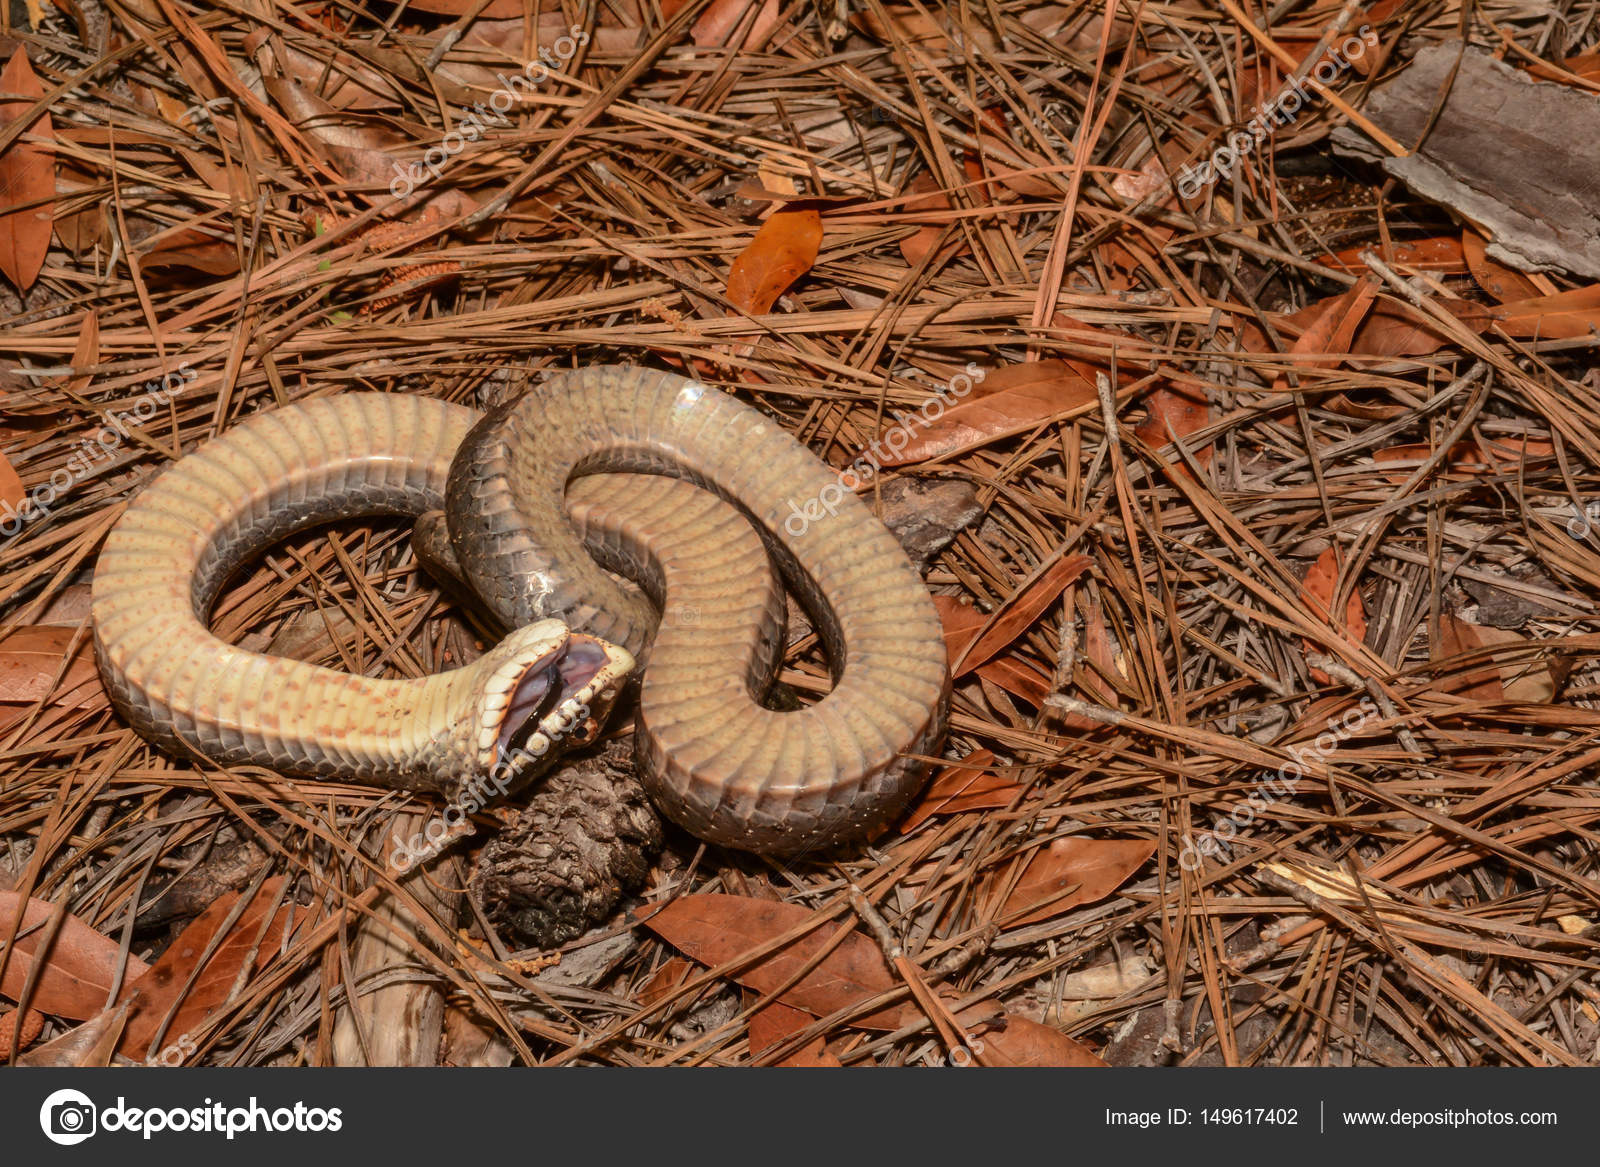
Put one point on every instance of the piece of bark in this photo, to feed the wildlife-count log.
(926, 514)
(1513, 155)
(583, 842)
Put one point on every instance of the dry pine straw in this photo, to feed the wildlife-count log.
(1186, 659)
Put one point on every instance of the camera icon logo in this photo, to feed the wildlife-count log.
(67, 1117)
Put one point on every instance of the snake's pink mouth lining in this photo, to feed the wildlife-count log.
(557, 685)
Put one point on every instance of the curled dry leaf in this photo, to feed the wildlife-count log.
(1329, 326)
(782, 251)
(927, 196)
(1468, 456)
(1068, 874)
(1441, 254)
(1176, 411)
(27, 177)
(718, 929)
(962, 622)
(1017, 614)
(11, 491)
(1573, 313)
(94, 1043)
(1504, 284)
(80, 966)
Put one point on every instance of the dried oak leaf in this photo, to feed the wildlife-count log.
(184, 979)
(967, 786)
(777, 1022)
(1317, 593)
(1527, 681)
(27, 177)
(1067, 874)
(80, 965)
(1013, 400)
(1027, 1043)
(33, 667)
(782, 251)
(720, 929)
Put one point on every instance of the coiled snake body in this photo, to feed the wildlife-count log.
(573, 470)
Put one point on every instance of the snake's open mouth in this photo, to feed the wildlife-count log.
(553, 696)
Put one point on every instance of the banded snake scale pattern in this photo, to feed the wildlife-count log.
(665, 481)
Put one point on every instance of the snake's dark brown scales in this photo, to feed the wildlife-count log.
(574, 468)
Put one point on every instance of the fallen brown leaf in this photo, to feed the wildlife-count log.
(1093, 867)
(180, 984)
(1027, 1043)
(33, 667)
(27, 177)
(718, 929)
(1030, 394)
(79, 968)
(782, 251)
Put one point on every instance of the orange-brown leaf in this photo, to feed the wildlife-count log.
(1329, 327)
(1526, 681)
(31, 660)
(1503, 283)
(777, 1022)
(1176, 412)
(717, 929)
(79, 968)
(1022, 609)
(782, 251)
(1437, 253)
(1044, 390)
(1027, 1043)
(1572, 313)
(1468, 456)
(928, 197)
(1018, 679)
(1317, 592)
(11, 491)
(967, 786)
(717, 23)
(1094, 867)
(166, 985)
(27, 177)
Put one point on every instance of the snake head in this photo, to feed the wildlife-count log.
(539, 692)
